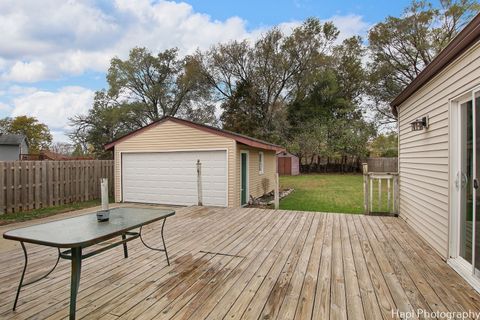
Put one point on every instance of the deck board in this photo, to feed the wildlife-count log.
(249, 264)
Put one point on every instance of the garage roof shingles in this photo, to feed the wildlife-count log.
(11, 139)
(240, 138)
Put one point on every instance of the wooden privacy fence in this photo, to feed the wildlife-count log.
(380, 191)
(27, 185)
(382, 165)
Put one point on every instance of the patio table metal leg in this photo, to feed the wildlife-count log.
(163, 241)
(21, 284)
(23, 275)
(75, 279)
(125, 249)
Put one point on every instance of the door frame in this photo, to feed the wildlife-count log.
(247, 187)
(465, 268)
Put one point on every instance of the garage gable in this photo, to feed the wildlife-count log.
(249, 141)
(170, 134)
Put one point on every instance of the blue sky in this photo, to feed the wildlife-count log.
(54, 53)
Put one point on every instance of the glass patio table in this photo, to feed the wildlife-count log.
(72, 235)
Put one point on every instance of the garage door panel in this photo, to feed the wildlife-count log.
(171, 177)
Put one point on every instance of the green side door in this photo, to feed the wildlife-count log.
(243, 174)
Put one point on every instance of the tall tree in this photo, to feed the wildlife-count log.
(267, 74)
(327, 123)
(349, 70)
(37, 134)
(161, 85)
(401, 47)
(106, 121)
(385, 145)
(142, 89)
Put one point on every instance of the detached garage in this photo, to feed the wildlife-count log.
(158, 164)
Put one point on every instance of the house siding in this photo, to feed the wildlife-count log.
(171, 136)
(424, 155)
(255, 187)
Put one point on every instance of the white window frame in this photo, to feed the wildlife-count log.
(261, 162)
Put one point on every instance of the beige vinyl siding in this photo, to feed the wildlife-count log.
(424, 155)
(171, 136)
(255, 187)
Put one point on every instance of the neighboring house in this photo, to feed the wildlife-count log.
(12, 146)
(439, 153)
(157, 164)
(288, 164)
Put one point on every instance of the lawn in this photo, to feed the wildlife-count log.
(324, 192)
(45, 212)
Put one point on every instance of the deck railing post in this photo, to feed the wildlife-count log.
(380, 194)
(199, 182)
(365, 188)
(388, 195)
(396, 204)
(277, 192)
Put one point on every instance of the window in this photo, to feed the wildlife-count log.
(260, 163)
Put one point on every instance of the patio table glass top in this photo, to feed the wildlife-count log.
(85, 230)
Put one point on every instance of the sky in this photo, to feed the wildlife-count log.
(54, 54)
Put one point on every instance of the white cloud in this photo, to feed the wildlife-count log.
(54, 108)
(5, 107)
(350, 25)
(26, 72)
(54, 38)
(17, 90)
(47, 39)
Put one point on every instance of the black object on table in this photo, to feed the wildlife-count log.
(77, 233)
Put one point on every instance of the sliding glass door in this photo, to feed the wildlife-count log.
(476, 191)
(468, 235)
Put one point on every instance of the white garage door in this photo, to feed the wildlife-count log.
(171, 177)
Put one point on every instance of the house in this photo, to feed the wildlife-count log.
(158, 164)
(439, 153)
(288, 164)
(12, 146)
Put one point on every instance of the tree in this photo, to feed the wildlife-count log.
(240, 114)
(258, 80)
(323, 101)
(348, 68)
(106, 121)
(161, 85)
(327, 124)
(401, 47)
(37, 134)
(385, 145)
(142, 89)
(62, 148)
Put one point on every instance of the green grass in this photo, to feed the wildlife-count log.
(45, 212)
(324, 192)
(331, 193)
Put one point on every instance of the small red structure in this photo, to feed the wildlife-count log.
(50, 155)
(288, 164)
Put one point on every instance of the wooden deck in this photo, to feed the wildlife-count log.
(250, 264)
